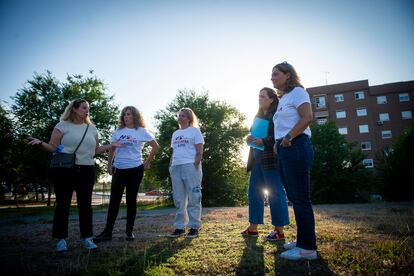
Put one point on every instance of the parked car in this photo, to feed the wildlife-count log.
(154, 193)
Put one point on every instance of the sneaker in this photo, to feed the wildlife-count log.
(176, 233)
(130, 236)
(275, 236)
(104, 236)
(61, 246)
(289, 245)
(88, 243)
(193, 233)
(249, 233)
(298, 253)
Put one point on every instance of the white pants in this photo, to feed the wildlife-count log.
(186, 183)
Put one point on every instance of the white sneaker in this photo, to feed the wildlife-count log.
(88, 243)
(289, 245)
(61, 246)
(298, 253)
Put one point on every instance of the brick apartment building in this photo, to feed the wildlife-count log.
(369, 115)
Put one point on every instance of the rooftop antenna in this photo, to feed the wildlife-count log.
(326, 76)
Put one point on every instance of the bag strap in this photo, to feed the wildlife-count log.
(86, 130)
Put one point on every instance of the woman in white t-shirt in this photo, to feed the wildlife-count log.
(295, 155)
(127, 168)
(186, 174)
(66, 137)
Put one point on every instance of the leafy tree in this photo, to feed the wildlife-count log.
(337, 173)
(6, 142)
(37, 108)
(224, 179)
(395, 167)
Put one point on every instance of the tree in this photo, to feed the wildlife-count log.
(6, 142)
(395, 167)
(337, 174)
(224, 178)
(37, 108)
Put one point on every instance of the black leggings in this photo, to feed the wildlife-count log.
(131, 179)
(80, 179)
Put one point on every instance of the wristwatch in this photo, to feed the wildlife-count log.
(288, 137)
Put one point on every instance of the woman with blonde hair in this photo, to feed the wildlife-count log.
(127, 168)
(74, 133)
(186, 174)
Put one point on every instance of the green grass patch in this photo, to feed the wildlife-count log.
(352, 239)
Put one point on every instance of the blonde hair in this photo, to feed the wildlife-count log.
(69, 114)
(191, 116)
(136, 115)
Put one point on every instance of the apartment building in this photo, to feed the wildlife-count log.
(372, 116)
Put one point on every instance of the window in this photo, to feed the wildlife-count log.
(321, 121)
(406, 114)
(341, 114)
(381, 99)
(343, 130)
(368, 163)
(386, 134)
(361, 112)
(404, 97)
(366, 145)
(320, 101)
(339, 98)
(359, 95)
(363, 129)
(384, 117)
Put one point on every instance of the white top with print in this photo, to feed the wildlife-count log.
(133, 139)
(287, 114)
(183, 142)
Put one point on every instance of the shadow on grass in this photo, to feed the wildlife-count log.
(252, 260)
(138, 262)
(303, 267)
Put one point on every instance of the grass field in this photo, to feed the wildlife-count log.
(352, 239)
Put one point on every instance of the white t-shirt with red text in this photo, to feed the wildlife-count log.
(183, 143)
(133, 139)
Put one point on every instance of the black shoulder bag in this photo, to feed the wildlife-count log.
(66, 160)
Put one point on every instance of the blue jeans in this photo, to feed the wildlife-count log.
(295, 163)
(260, 180)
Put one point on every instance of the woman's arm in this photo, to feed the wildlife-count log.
(111, 156)
(306, 116)
(199, 154)
(154, 148)
(99, 149)
(54, 141)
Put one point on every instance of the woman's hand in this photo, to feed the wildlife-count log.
(285, 143)
(258, 142)
(147, 165)
(109, 170)
(249, 139)
(275, 148)
(252, 140)
(34, 141)
(117, 144)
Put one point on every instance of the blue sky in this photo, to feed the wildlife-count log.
(146, 50)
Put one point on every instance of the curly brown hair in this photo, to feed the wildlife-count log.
(138, 119)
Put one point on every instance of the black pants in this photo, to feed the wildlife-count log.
(80, 179)
(131, 179)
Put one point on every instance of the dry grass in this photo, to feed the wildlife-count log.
(352, 239)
